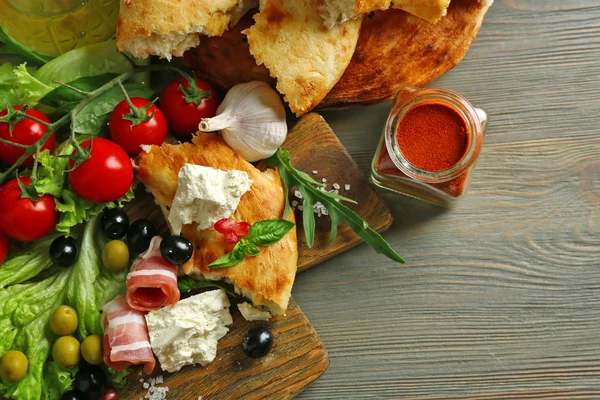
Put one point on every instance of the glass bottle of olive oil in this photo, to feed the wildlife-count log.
(56, 26)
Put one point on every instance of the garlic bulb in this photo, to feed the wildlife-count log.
(251, 120)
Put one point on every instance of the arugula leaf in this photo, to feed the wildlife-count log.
(11, 46)
(187, 284)
(337, 211)
(94, 117)
(268, 232)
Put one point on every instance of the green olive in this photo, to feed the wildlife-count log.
(66, 351)
(13, 366)
(64, 320)
(115, 256)
(91, 349)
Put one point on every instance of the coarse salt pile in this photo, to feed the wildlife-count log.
(154, 392)
(318, 207)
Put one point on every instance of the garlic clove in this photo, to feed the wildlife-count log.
(251, 119)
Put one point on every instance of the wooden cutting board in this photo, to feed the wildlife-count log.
(298, 357)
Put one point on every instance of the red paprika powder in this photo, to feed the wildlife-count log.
(432, 137)
(430, 145)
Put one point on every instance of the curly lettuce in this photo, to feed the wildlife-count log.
(26, 308)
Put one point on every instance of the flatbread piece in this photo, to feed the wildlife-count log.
(266, 279)
(307, 59)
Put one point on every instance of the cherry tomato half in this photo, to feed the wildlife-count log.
(106, 176)
(4, 246)
(183, 117)
(131, 137)
(25, 132)
(25, 219)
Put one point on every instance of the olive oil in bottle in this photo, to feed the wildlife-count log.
(54, 27)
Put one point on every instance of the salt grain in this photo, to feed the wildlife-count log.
(336, 186)
(323, 180)
(315, 172)
(294, 203)
(146, 385)
(298, 194)
(347, 187)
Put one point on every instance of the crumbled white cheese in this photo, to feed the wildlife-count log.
(205, 195)
(251, 313)
(188, 332)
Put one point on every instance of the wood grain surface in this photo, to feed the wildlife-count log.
(500, 298)
(297, 358)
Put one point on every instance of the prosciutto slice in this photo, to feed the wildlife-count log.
(152, 281)
(126, 339)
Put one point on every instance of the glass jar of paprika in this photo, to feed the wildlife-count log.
(430, 145)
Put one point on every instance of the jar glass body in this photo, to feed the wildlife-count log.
(54, 27)
(391, 170)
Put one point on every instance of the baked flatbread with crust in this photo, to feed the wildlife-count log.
(169, 27)
(307, 59)
(339, 11)
(266, 279)
(395, 48)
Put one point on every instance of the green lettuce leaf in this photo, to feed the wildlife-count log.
(118, 378)
(75, 210)
(57, 380)
(26, 264)
(24, 325)
(80, 291)
(8, 91)
(28, 87)
(51, 172)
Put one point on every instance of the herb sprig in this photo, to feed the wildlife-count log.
(338, 212)
(261, 233)
(187, 284)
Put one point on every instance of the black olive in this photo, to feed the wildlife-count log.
(64, 251)
(258, 342)
(176, 249)
(70, 395)
(114, 223)
(140, 234)
(90, 380)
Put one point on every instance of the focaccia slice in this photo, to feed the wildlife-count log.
(306, 58)
(168, 28)
(339, 11)
(266, 279)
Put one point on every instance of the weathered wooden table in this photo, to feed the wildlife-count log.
(500, 298)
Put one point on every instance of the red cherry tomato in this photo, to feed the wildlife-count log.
(106, 176)
(3, 247)
(25, 132)
(183, 117)
(25, 219)
(130, 136)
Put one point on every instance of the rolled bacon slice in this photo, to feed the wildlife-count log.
(126, 340)
(152, 281)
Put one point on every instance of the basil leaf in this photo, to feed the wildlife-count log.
(267, 232)
(230, 259)
(187, 284)
(250, 249)
(63, 95)
(94, 117)
(337, 211)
